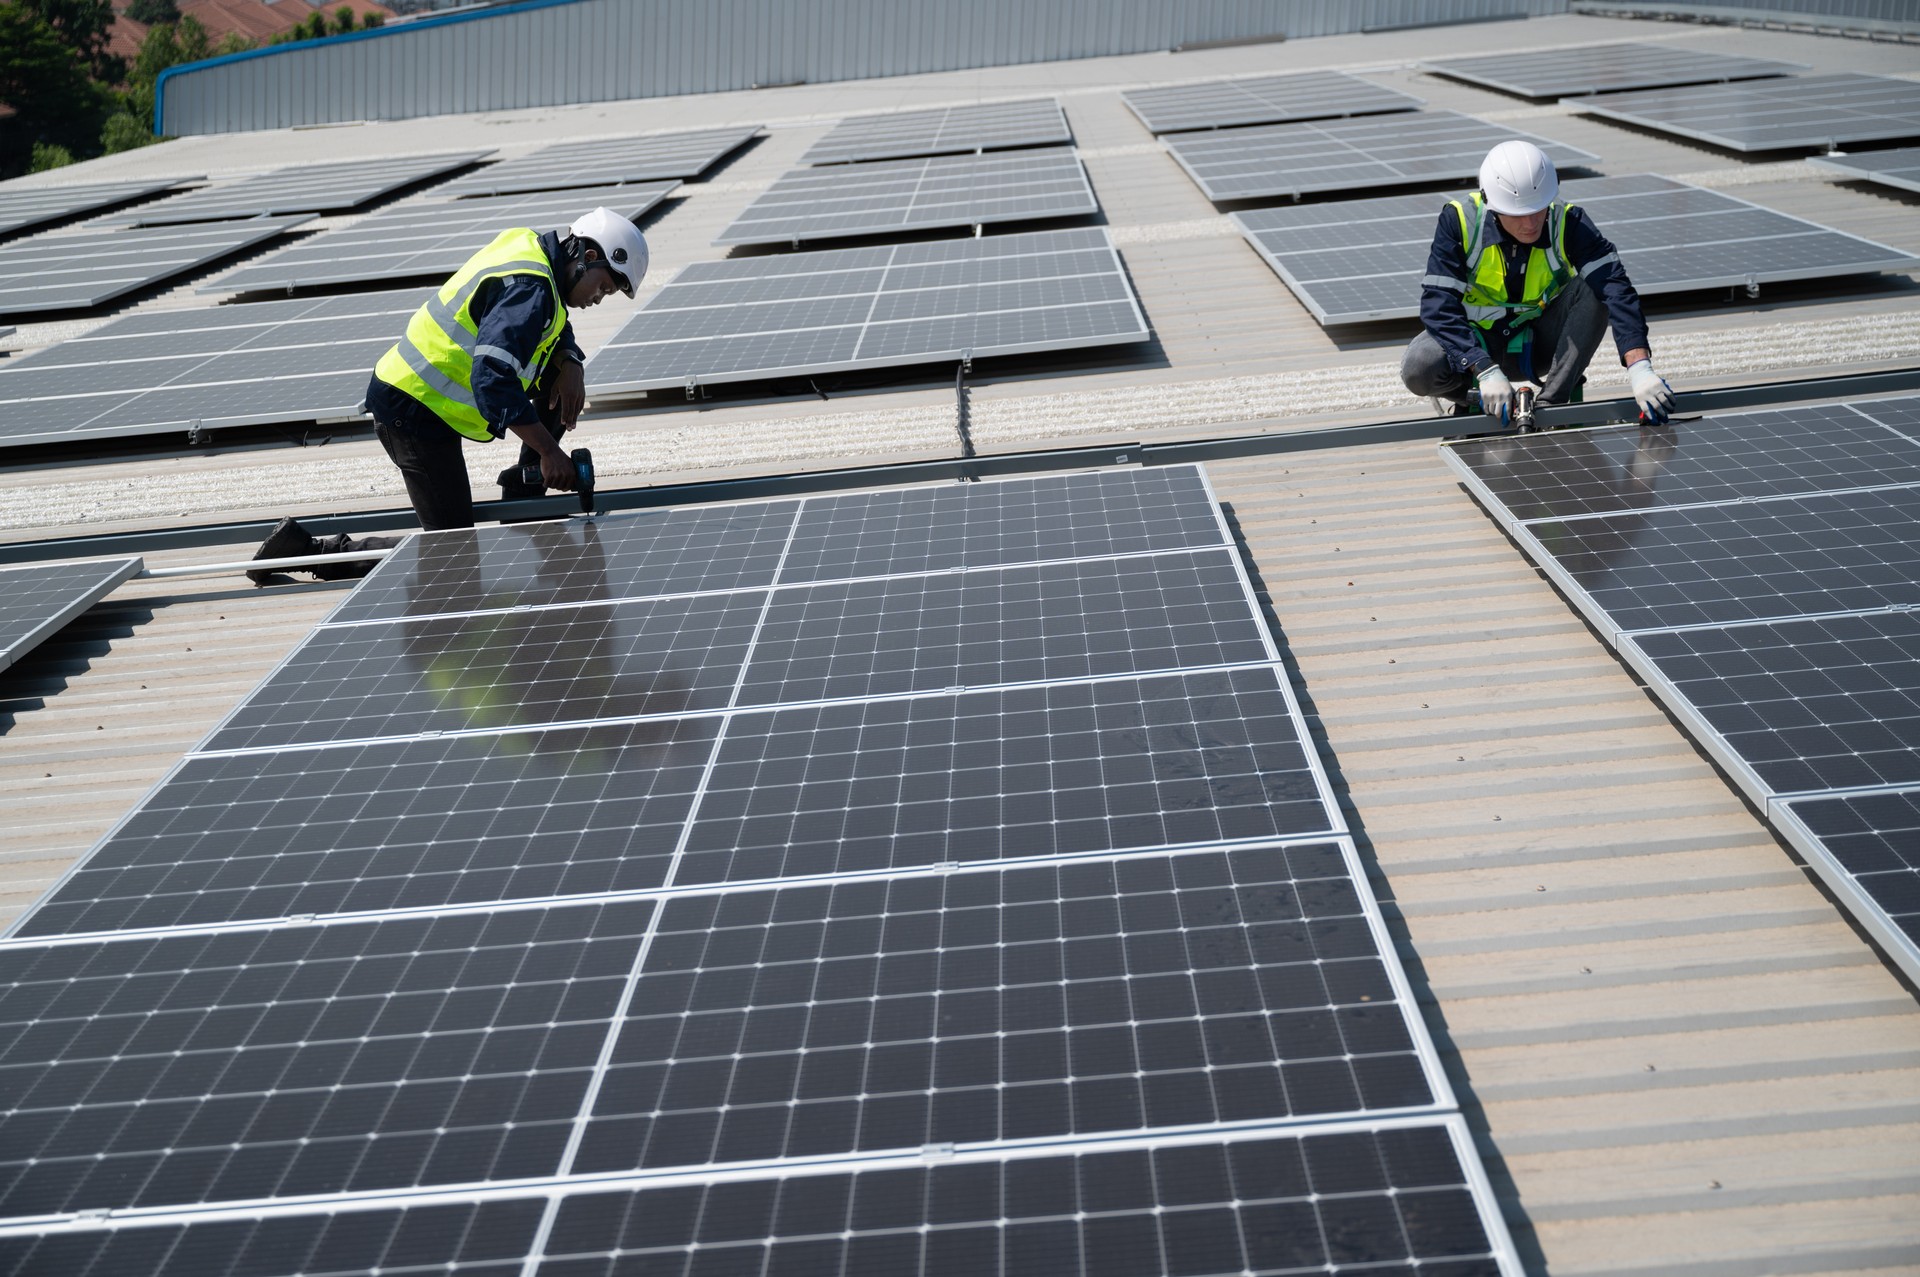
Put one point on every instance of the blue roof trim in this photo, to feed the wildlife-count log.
(405, 28)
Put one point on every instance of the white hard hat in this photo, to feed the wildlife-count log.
(1517, 178)
(620, 242)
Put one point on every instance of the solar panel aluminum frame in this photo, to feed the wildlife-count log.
(826, 150)
(1439, 66)
(1302, 291)
(1894, 942)
(1382, 104)
(692, 382)
(1600, 105)
(1904, 177)
(486, 182)
(228, 201)
(558, 1190)
(125, 570)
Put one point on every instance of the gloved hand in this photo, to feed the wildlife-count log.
(1496, 394)
(1650, 391)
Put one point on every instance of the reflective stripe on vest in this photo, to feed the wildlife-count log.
(433, 362)
(1485, 295)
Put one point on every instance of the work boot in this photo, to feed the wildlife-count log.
(341, 543)
(287, 540)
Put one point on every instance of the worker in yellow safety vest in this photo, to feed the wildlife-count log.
(490, 353)
(1519, 288)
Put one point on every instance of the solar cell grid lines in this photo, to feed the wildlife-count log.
(1604, 68)
(892, 195)
(651, 158)
(946, 130)
(148, 373)
(1875, 837)
(758, 317)
(25, 207)
(1721, 458)
(412, 240)
(1354, 261)
(1807, 112)
(1342, 1199)
(66, 271)
(307, 188)
(1348, 154)
(37, 600)
(1899, 167)
(970, 1008)
(1267, 99)
(274, 1063)
(438, 822)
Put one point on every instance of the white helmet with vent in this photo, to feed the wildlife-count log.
(620, 242)
(1517, 178)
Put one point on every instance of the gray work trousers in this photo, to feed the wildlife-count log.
(1570, 328)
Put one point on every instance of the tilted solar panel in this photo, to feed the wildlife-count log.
(1898, 167)
(24, 207)
(1759, 573)
(1267, 99)
(1804, 112)
(1604, 68)
(651, 158)
(942, 131)
(756, 317)
(39, 599)
(190, 370)
(69, 271)
(894, 195)
(307, 188)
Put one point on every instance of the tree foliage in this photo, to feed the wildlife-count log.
(315, 25)
(151, 13)
(46, 81)
(167, 45)
(83, 26)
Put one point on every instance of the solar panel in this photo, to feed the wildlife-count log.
(1266, 99)
(943, 130)
(152, 373)
(425, 239)
(1067, 872)
(306, 188)
(1810, 112)
(37, 600)
(1342, 1199)
(25, 207)
(652, 158)
(1353, 261)
(70, 272)
(1603, 68)
(1350, 154)
(917, 194)
(756, 317)
(1759, 573)
(1899, 167)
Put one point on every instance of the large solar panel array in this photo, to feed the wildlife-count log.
(1603, 68)
(411, 241)
(936, 880)
(306, 188)
(25, 207)
(605, 162)
(69, 271)
(917, 194)
(756, 317)
(1807, 112)
(1351, 261)
(1897, 167)
(37, 600)
(946, 130)
(162, 371)
(1266, 99)
(1350, 154)
(1761, 572)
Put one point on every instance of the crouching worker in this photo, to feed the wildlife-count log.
(1519, 288)
(490, 354)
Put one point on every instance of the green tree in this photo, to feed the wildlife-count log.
(83, 26)
(342, 21)
(46, 155)
(45, 80)
(152, 13)
(167, 45)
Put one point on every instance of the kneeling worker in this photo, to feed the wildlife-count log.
(1499, 302)
(490, 353)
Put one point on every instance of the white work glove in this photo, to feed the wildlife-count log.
(1496, 394)
(1650, 391)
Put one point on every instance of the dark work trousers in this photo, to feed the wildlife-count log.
(1564, 339)
(428, 453)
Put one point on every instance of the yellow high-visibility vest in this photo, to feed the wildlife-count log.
(1486, 297)
(433, 362)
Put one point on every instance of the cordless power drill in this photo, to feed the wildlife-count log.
(530, 477)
